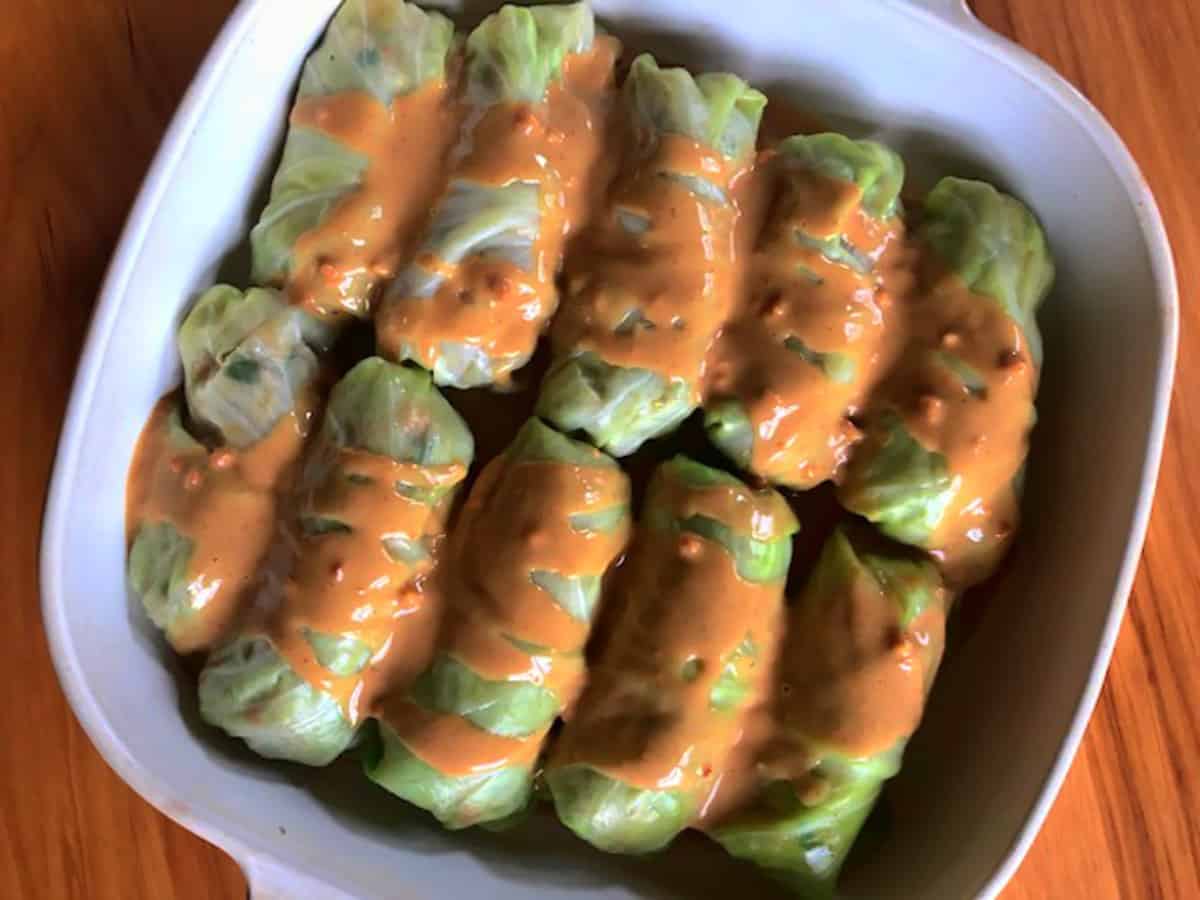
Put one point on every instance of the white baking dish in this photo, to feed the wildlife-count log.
(1011, 703)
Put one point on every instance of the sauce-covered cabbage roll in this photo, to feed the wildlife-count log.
(818, 328)
(362, 163)
(354, 614)
(472, 304)
(946, 438)
(540, 529)
(655, 277)
(864, 640)
(202, 513)
(700, 612)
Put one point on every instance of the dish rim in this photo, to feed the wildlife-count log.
(261, 864)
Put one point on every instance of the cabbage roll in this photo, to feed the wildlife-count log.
(472, 304)
(818, 328)
(864, 640)
(342, 213)
(700, 613)
(541, 527)
(654, 279)
(945, 441)
(354, 613)
(202, 513)
(249, 359)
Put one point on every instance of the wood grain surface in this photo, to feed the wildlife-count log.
(88, 87)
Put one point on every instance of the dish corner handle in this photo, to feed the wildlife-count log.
(268, 880)
(953, 12)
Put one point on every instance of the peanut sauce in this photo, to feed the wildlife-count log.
(646, 718)
(345, 583)
(224, 501)
(517, 521)
(850, 679)
(453, 745)
(558, 145)
(361, 242)
(981, 429)
(800, 307)
(656, 300)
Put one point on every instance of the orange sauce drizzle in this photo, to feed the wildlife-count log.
(518, 521)
(656, 300)
(224, 501)
(361, 242)
(800, 415)
(454, 746)
(346, 583)
(849, 679)
(641, 720)
(559, 145)
(983, 433)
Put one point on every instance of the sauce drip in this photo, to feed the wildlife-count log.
(347, 583)
(454, 746)
(647, 717)
(654, 279)
(558, 145)
(223, 500)
(369, 232)
(813, 335)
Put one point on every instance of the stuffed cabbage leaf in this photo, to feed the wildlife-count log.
(342, 214)
(814, 336)
(864, 641)
(354, 613)
(946, 438)
(202, 513)
(655, 278)
(540, 530)
(700, 613)
(472, 304)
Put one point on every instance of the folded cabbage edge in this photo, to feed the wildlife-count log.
(875, 169)
(249, 359)
(996, 245)
(516, 53)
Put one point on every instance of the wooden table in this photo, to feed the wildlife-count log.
(87, 88)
